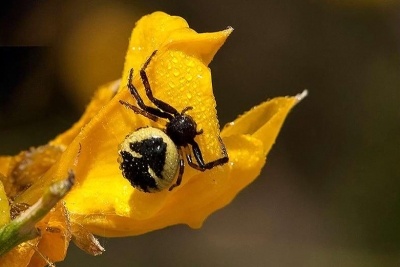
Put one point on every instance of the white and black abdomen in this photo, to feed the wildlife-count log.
(149, 159)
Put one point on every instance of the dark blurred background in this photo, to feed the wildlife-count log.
(330, 193)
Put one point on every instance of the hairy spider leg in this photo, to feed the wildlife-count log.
(181, 169)
(165, 107)
(151, 110)
(186, 109)
(139, 111)
(201, 166)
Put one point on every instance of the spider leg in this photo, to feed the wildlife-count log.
(139, 100)
(201, 166)
(165, 107)
(181, 169)
(139, 111)
(186, 109)
(192, 164)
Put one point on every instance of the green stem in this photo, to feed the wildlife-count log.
(23, 227)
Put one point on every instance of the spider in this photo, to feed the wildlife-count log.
(150, 158)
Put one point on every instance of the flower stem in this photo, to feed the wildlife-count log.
(23, 227)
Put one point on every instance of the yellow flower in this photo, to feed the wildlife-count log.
(102, 200)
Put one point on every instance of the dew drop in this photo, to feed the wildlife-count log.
(229, 124)
(171, 84)
(189, 77)
(175, 60)
(189, 63)
(175, 72)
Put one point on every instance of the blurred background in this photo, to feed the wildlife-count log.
(330, 192)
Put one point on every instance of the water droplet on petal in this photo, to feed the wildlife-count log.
(175, 72)
(189, 63)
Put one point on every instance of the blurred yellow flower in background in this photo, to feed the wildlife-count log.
(104, 203)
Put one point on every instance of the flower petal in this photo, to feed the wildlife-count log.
(4, 205)
(263, 121)
(85, 240)
(5, 162)
(178, 74)
(24, 169)
(102, 96)
(19, 256)
(55, 237)
(160, 31)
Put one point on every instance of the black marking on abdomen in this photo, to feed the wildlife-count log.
(136, 169)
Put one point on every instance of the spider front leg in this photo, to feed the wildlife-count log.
(139, 111)
(199, 158)
(153, 111)
(160, 104)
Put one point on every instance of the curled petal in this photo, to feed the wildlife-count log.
(160, 31)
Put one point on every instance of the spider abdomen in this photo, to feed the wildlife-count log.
(149, 159)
